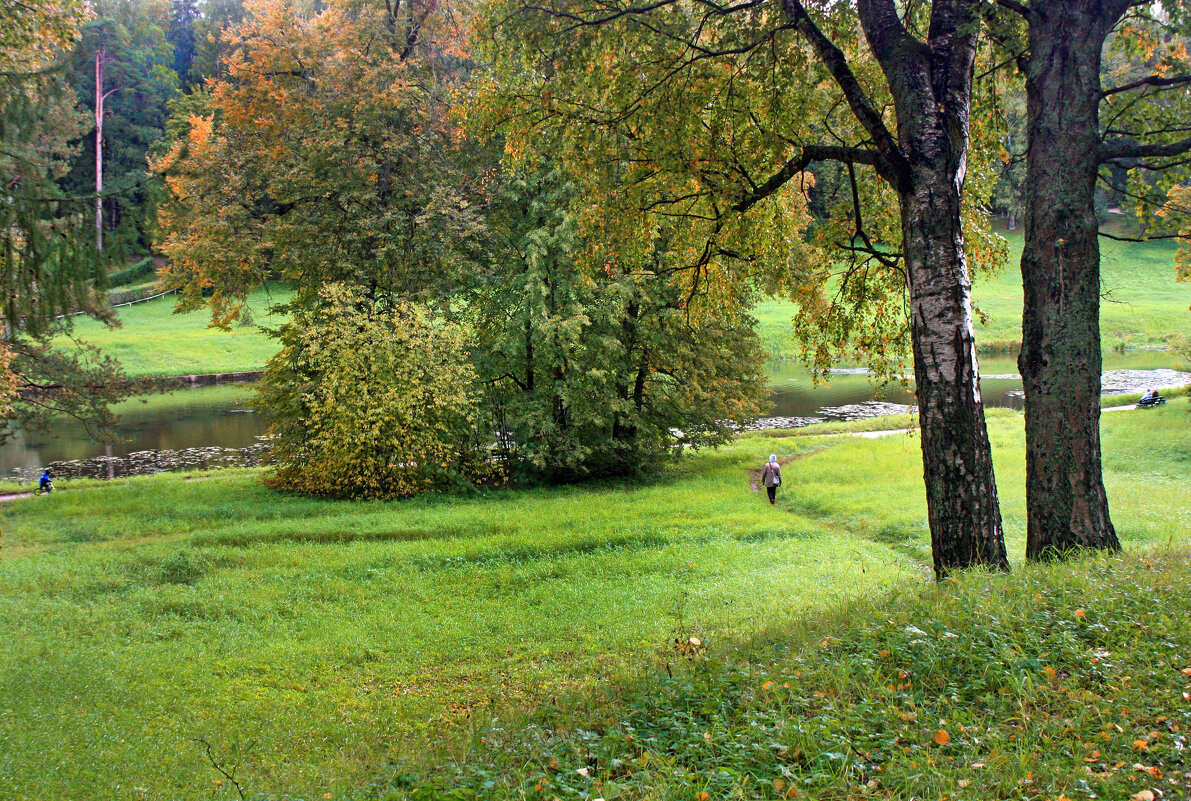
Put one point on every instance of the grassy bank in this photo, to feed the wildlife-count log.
(1142, 302)
(1062, 681)
(310, 642)
(153, 341)
(1143, 305)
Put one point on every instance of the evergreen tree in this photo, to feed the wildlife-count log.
(48, 265)
(182, 35)
(601, 368)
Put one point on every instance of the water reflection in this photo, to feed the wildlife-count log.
(182, 423)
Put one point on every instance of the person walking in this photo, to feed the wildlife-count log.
(771, 477)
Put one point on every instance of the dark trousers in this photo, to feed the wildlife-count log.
(772, 493)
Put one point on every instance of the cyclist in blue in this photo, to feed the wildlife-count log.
(47, 482)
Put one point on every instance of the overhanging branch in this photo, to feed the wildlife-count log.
(892, 164)
(809, 154)
(1149, 80)
(1116, 150)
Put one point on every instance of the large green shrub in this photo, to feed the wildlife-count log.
(608, 368)
(371, 398)
(141, 271)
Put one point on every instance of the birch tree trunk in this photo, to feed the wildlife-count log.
(931, 86)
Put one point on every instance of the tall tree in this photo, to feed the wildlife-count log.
(184, 14)
(210, 44)
(102, 93)
(124, 76)
(48, 265)
(607, 66)
(1069, 146)
(597, 357)
(325, 158)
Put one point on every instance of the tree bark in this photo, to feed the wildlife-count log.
(1060, 360)
(100, 61)
(931, 86)
(961, 491)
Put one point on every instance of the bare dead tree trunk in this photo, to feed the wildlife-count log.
(100, 60)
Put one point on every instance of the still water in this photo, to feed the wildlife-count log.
(207, 426)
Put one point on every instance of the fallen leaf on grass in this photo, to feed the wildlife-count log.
(942, 737)
(1144, 795)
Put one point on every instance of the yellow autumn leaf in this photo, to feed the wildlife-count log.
(942, 737)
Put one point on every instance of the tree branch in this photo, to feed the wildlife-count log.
(892, 164)
(1149, 80)
(1138, 238)
(810, 153)
(1123, 148)
(1015, 7)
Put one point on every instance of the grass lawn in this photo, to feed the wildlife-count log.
(1066, 681)
(1143, 303)
(308, 642)
(153, 341)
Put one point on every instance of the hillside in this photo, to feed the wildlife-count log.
(337, 636)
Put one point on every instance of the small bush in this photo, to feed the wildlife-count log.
(371, 399)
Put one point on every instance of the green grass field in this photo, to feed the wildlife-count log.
(153, 341)
(310, 642)
(1142, 305)
(1059, 682)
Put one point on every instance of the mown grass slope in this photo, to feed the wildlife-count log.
(1062, 681)
(1143, 304)
(153, 341)
(146, 614)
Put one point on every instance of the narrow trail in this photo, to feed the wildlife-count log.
(755, 476)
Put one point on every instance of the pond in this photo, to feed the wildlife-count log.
(214, 426)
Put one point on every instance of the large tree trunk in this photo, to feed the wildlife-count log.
(961, 493)
(931, 85)
(1060, 361)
